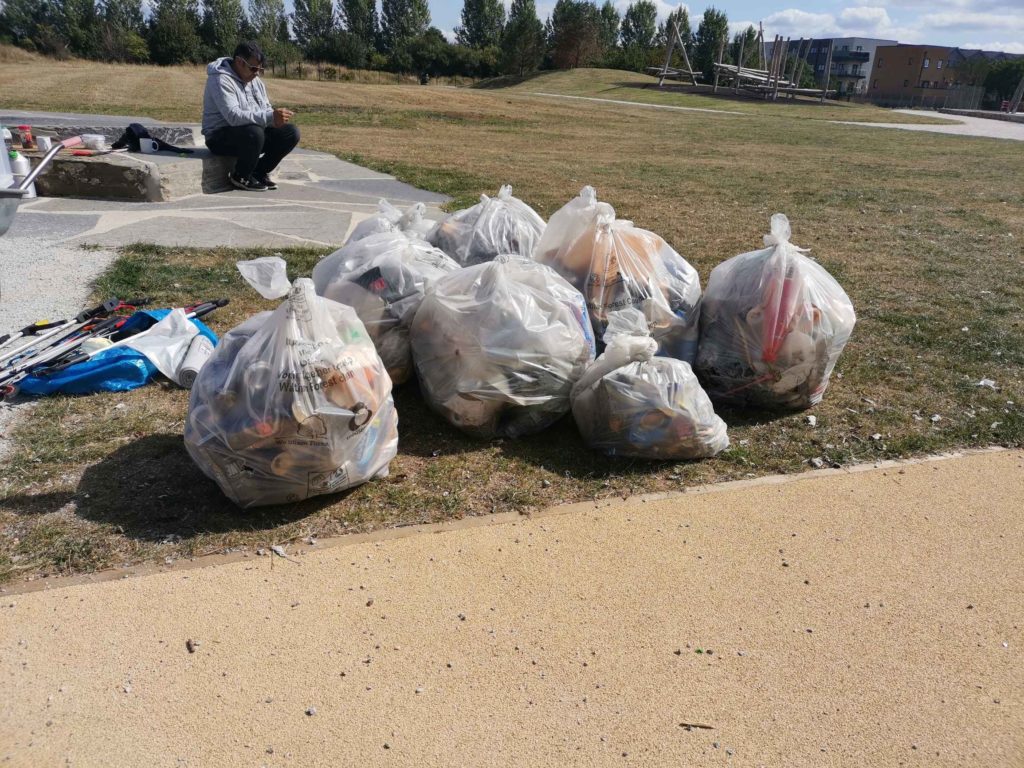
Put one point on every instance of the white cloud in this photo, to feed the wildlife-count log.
(793, 22)
(972, 21)
(1016, 47)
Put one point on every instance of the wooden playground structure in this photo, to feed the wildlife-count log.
(774, 75)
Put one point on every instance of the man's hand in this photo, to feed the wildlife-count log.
(282, 116)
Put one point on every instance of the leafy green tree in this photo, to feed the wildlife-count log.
(125, 15)
(681, 17)
(313, 24)
(263, 15)
(639, 25)
(1003, 77)
(79, 26)
(429, 52)
(482, 23)
(224, 25)
(22, 21)
(401, 21)
(574, 31)
(748, 39)
(522, 46)
(174, 32)
(610, 22)
(360, 19)
(713, 29)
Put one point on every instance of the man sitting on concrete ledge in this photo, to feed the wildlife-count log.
(238, 119)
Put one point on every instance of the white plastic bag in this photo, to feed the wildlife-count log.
(293, 403)
(631, 403)
(498, 225)
(383, 277)
(772, 327)
(389, 219)
(617, 265)
(498, 346)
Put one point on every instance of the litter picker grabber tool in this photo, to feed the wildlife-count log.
(79, 356)
(65, 329)
(67, 352)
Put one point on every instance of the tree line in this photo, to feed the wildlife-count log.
(353, 33)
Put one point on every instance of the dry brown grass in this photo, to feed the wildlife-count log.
(12, 54)
(923, 231)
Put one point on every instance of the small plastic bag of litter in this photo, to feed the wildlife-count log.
(390, 219)
(293, 403)
(383, 278)
(772, 327)
(496, 225)
(631, 403)
(499, 345)
(617, 265)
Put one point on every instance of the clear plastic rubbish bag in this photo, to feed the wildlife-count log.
(773, 325)
(496, 225)
(499, 345)
(631, 403)
(383, 278)
(390, 219)
(617, 265)
(293, 403)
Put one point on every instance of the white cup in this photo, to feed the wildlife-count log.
(45, 143)
(149, 146)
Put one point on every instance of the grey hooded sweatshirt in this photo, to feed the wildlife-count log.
(228, 101)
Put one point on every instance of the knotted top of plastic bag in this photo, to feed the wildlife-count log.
(627, 340)
(391, 219)
(268, 275)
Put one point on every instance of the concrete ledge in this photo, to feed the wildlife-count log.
(135, 177)
(1006, 117)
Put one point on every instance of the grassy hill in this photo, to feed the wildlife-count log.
(923, 231)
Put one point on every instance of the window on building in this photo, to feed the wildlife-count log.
(874, 84)
(879, 63)
(910, 61)
(821, 67)
(938, 64)
(814, 50)
(925, 84)
(906, 83)
(926, 63)
(846, 47)
(860, 47)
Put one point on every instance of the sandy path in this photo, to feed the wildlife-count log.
(865, 619)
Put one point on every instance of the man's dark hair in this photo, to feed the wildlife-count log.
(249, 49)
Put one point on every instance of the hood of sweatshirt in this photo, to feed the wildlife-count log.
(223, 66)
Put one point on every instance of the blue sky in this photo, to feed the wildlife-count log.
(990, 24)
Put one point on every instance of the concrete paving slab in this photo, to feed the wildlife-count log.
(56, 227)
(387, 188)
(192, 232)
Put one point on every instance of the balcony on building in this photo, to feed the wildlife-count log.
(854, 57)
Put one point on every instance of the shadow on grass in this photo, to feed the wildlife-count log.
(151, 489)
(506, 81)
(725, 93)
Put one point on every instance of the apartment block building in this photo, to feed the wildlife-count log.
(852, 60)
(913, 75)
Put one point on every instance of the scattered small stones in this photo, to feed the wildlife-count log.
(936, 418)
(191, 645)
(369, 602)
(310, 711)
(877, 436)
(386, 745)
(812, 420)
(419, 690)
(462, 617)
(817, 462)
(545, 483)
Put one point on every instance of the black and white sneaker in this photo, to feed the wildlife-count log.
(249, 184)
(265, 180)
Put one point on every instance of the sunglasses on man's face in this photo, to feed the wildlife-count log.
(255, 68)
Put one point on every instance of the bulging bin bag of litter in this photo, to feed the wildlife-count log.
(383, 278)
(294, 403)
(390, 219)
(617, 265)
(496, 225)
(631, 403)
(499, 345)
(773, 325)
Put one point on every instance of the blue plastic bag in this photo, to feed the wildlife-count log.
(116, 370)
